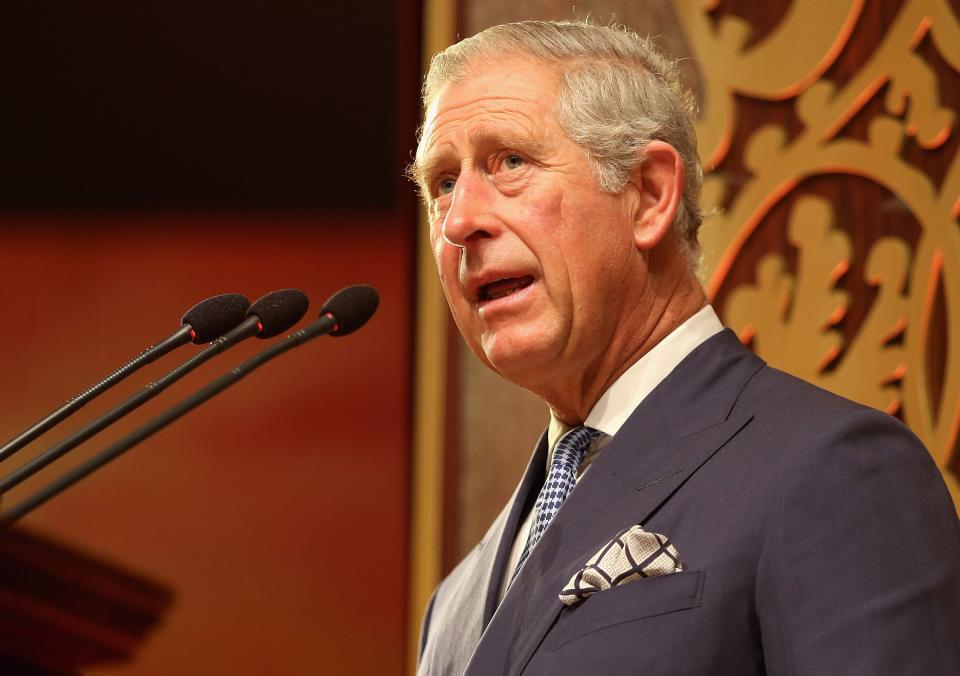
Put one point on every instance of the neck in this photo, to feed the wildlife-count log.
(666, 303)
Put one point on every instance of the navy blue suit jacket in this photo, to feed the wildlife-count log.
(817, 537)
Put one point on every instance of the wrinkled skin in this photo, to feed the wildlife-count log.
(593, 278)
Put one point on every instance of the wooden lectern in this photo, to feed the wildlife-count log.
(61, 610)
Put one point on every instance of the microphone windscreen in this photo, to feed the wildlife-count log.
(279, 311)
(351, 307)
(213, 317)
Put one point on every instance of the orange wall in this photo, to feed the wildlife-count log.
(278, 511)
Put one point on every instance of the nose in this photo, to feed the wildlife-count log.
(469, 216)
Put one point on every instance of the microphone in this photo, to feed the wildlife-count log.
(202, 323)
(345, 312)
(351, 308)
(274, 313)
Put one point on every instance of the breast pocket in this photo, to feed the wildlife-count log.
(648, 597)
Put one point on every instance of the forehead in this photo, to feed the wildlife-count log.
(509, 97)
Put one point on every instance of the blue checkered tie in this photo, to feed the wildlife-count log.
(561, 479)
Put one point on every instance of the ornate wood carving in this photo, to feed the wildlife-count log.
(833, 248)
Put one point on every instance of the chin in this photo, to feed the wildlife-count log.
(517, 359)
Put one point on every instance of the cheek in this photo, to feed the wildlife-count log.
(447, 258)
(542, 226)
(436, 243)
(444, 256)
(597, 248)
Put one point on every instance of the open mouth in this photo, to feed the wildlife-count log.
(504, 287)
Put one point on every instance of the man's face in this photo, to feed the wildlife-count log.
(537, 263)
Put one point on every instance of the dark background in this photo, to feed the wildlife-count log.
(214, 105)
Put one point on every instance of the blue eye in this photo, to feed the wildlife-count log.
(446, 186)
(513, 162)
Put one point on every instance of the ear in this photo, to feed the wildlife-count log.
(658, 181)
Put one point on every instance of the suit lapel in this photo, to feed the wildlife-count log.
(676, 429)
(524, 496)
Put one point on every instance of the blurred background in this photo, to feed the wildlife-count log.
(153, 154)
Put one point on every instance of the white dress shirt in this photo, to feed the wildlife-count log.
(619, 401)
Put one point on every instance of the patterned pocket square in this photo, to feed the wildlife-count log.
(632, 555)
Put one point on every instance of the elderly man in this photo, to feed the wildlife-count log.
(726, 518)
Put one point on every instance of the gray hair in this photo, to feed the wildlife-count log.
(616, 93)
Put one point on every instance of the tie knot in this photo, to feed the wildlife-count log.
(572, 446)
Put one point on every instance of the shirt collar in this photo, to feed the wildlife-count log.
(633, 386)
